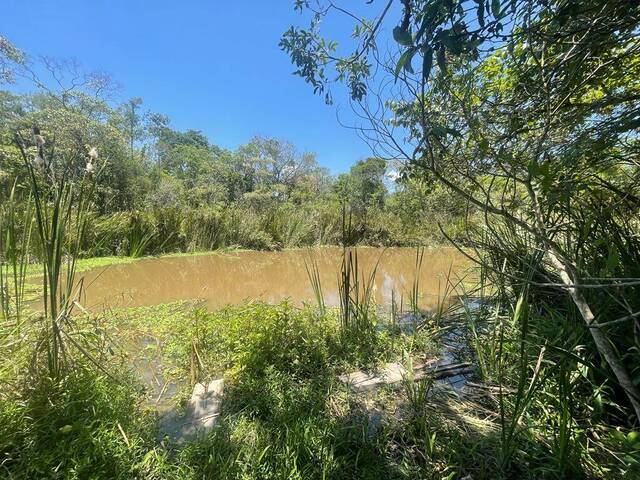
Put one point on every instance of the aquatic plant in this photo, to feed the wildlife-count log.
(355, 292)
(416, 390)
(414, 294)
(313, 272)
(15, 239)
(60, 206)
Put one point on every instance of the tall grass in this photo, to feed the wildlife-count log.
(313, 272)
(538, 368)
(528, 382)
(15, 239)
(416, 390)
(138, 242)
(60, 211)
(414, 294)
(396, 309)
(355, 291)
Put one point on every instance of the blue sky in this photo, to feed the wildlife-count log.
(209, 65)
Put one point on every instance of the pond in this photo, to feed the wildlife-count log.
(221, 279)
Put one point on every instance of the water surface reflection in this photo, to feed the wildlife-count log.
(231, 278)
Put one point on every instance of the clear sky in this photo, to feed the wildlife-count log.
(210, 65)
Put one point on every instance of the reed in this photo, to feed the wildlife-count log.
(396, 310)
(15, 239)
(416, 390)
(355, 291)
(61, 208)
(528, 383)
(313, 273)
(414, 293)
(138, 242)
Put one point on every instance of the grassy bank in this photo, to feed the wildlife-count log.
(77, 399)
(285, 414)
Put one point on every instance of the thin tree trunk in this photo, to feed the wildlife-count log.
(570, 279)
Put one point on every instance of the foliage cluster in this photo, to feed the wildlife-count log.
(169, 191)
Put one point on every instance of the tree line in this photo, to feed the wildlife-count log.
(165, 190)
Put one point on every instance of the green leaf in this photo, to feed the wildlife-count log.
(408, 67)
(439, 131)
(495, 8)
(473, 44)
(447, 40)
(423, 27)
(427, 63)
(403, 60)
(614, 259)
(442, 60)
(544, 171)
(522, 308)
(402, 36)
(481, 13)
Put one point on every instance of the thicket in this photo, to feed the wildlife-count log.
(168, 191)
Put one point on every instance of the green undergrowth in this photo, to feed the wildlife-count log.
(87, 425)
(247, 338)
(285, 414)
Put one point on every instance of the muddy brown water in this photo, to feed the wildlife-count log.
(222, 279)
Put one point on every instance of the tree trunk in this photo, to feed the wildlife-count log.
(570, 279)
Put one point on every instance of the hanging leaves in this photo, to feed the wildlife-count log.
(495, 8)
(402, 36)
(441, 59)
(427, 63)
(405, 62)
(480, 13)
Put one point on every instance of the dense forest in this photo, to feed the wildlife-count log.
(163, 190)
(509, 130)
